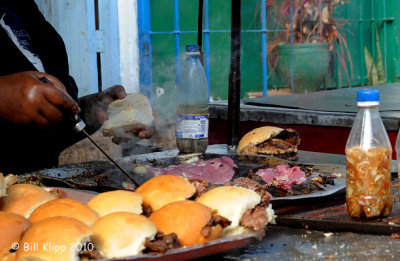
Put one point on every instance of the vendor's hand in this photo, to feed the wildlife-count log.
(143, 133)
(25, 100)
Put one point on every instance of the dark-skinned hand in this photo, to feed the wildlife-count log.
(25, 100)
(99, 103)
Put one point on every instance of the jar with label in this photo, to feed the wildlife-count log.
(192, 97)
(368, 161)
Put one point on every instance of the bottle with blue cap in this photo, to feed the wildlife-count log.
(368, 161)
(192, 105)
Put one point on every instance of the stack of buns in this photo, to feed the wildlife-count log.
(116, 224)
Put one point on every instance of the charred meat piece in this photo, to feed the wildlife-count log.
(255, 219)
(215, 220)
(147, 210)
(89, 255)
(162, 243)
(201, 185)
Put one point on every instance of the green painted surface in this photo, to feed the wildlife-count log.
(354, 20)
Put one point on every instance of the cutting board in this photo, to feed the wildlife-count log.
(331, 215)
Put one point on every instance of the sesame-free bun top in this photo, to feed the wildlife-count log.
(64, 207)
(23, 199)
(164, 189)
(231, 202)
(116, 201)
(122, 234)
(257, 136)
(186, 219)
(63, 233)
(12, 226)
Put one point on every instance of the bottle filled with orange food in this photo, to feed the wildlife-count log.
(368, 161)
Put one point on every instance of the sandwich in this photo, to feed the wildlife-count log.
(131, 114)
(116, 201)
(23, 199)
(122, 234)
(55, 238)
(161, 190)
(64, 207)
(192, 222)
(241, 206)
(12, 226)
(270, 140)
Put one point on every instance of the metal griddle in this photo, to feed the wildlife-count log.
(102, 176)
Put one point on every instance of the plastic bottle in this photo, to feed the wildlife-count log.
(192, 105)
(368, 161)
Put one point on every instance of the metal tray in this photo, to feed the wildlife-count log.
(184, 253)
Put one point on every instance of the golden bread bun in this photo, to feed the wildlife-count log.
(134, 112)
(122, 234)
(231, 202)
(255, 137)
(186, 219)
(12, 226)
(64, 207)
(116, 201)
(164, 189)
(52, 239)
(23, 199)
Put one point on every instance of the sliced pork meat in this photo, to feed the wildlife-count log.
(215, 171)
(282, 176)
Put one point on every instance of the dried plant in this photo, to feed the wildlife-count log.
(312, 22)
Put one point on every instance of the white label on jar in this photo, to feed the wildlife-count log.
(192, 126)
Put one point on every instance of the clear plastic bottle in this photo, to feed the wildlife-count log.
(192, 105)
(368, 161)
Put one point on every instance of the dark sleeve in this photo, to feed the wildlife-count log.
(45, 40)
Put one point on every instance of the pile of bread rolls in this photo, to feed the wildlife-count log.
(37, 224)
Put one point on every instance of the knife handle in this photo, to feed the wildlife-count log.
(73, 119)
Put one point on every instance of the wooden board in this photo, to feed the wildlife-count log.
(331, 215)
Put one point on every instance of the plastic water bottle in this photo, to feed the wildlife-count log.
(192, 105)
(368, 161)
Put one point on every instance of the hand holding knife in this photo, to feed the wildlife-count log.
(78, 125)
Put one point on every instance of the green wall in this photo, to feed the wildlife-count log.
(358, 19)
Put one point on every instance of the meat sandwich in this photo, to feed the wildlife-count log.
(55, 238)
(12, 226)
(242, 206)
(64, 207)
(192, 222)
(122, 234)
(23, 199)
(161, 190)
(116, 201)
(270, 140)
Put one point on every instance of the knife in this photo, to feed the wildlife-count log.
(78, 125)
